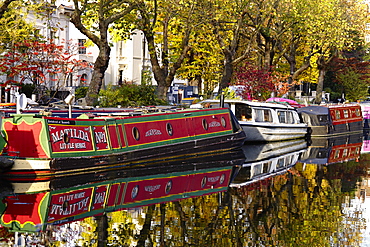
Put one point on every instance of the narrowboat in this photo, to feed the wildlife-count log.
(335, 149)
(38, 145)
(267, 160)
(262, 121)
(332, 119)
(38, 205)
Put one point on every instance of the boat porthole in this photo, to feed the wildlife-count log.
(65, 138)
(205, 124)
(169, 129)
(222, 179)
(135, 133)
(223, 122)
(168, 187)
(204, 181)
(134, 191)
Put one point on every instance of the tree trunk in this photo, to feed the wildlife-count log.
(4, 7)
(322, 66)
(320, 86)
(102, 229)
(100, 66)
(228, 71)
(145, 231)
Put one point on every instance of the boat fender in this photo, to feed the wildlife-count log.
(5, 163)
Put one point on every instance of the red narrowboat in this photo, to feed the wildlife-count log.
(36, 145)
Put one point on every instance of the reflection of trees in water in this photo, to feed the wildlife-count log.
(300, 208)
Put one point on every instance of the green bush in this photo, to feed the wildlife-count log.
(129, 95)
(81, 92)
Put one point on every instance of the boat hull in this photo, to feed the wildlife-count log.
(273, 132)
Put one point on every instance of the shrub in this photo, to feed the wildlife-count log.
(129, 95)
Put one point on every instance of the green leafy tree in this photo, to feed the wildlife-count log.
(168, 27)
(355, 88)
(96, 20)
(14, 27)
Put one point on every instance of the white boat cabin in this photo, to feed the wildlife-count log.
(250, 111)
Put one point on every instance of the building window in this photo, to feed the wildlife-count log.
(83, 79)
(81, 46)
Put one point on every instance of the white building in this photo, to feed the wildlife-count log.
(128, 58)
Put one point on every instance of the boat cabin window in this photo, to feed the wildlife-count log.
(337, 114)
(266, 166)
(285, 117)
(263, 115)
(322, 118)
(345, 113)
(243, 112)
(358, 112)
(280, 163)
(257, 169)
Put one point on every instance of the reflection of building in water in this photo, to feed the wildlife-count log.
(356, 210)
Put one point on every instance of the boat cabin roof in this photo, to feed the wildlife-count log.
(314, 110)
(324, 109)
(227, 102)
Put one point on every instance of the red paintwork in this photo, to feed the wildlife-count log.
(100, 194)
(354, 114)
(162, 187)
(101, 138)
(26, 211)
(22, 140)
(112, 194)
(345, 152)
(113, 136)
(79, 138)
(155, 131)
(64, 205)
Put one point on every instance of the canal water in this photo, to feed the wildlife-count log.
(293, 193)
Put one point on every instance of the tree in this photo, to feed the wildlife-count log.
(95, 20)
(40, 62)
(168, 26)
(336, 21)
(257, 82)
(4, 7)
(354, 87)
(14, 27)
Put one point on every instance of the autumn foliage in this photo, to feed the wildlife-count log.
(259, 84)
(39, 62)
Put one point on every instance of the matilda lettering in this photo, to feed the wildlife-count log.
(72, 133)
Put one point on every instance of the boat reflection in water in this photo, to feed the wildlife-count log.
(267, 160)
(325, 151)
(33, 206)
